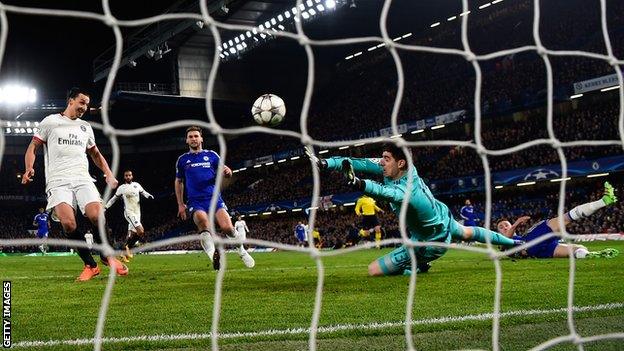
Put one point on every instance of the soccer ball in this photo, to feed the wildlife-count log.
(268, 110)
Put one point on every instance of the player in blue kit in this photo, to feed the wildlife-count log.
(428, 220)
(196, 171)
(300, 234)
(42, 222)
(468, 215)
(552, 248)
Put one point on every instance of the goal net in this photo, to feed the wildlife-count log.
(393, 47)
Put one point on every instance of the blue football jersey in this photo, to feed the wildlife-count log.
(300, 229)
(42, 222)
(199, 171)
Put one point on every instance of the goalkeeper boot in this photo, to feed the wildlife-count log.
(115, 264)
(88, 273)
(423, 267)
(246, 257)
(609, 197)
(605, 253)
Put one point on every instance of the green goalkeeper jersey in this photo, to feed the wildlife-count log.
(427, 218)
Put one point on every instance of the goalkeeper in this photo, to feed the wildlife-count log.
(428, 220)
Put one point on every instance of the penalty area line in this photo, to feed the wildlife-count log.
(322, 329)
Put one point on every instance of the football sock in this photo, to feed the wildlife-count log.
(234, 235)
(83, 252)
(132, 240)
(481, 234)
(580, 252)
(586, 210)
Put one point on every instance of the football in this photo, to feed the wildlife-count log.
(268, 110)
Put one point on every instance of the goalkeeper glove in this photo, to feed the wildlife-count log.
(349, 174)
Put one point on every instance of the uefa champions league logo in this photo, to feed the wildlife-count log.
(541, 173)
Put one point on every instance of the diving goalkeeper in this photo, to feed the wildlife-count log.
(428, 220)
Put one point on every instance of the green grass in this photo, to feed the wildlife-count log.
(173, 294)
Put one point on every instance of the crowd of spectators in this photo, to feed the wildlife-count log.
(438, 84)
(293, 180)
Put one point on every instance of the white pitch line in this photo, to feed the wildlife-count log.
(325, 329)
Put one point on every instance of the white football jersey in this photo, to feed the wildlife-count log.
(130, 195)
(65, 144)
(241, 227)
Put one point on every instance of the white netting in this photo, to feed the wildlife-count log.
(392, 46)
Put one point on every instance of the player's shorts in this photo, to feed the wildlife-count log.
(73, 193)
(204, 205)
(301, 237)
(544, 249)
(369, 221)
(134, 220)
(42, 235)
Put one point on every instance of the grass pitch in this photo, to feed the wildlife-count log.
(166, 303)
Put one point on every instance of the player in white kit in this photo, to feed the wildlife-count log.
(66, 140)
(241, 227)
(130, 192)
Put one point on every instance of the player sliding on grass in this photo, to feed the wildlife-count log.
(427, 218)
(196, 171)
(551, 248)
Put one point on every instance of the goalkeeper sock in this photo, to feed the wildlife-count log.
(586, 210)
(83, 252)
(378, 238)
(481, 234)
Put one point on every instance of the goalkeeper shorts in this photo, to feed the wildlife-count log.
(399, 260)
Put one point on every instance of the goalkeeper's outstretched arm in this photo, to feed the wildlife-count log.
(364, 165)
(390, 193)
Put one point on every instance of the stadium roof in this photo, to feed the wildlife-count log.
(356, 18)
